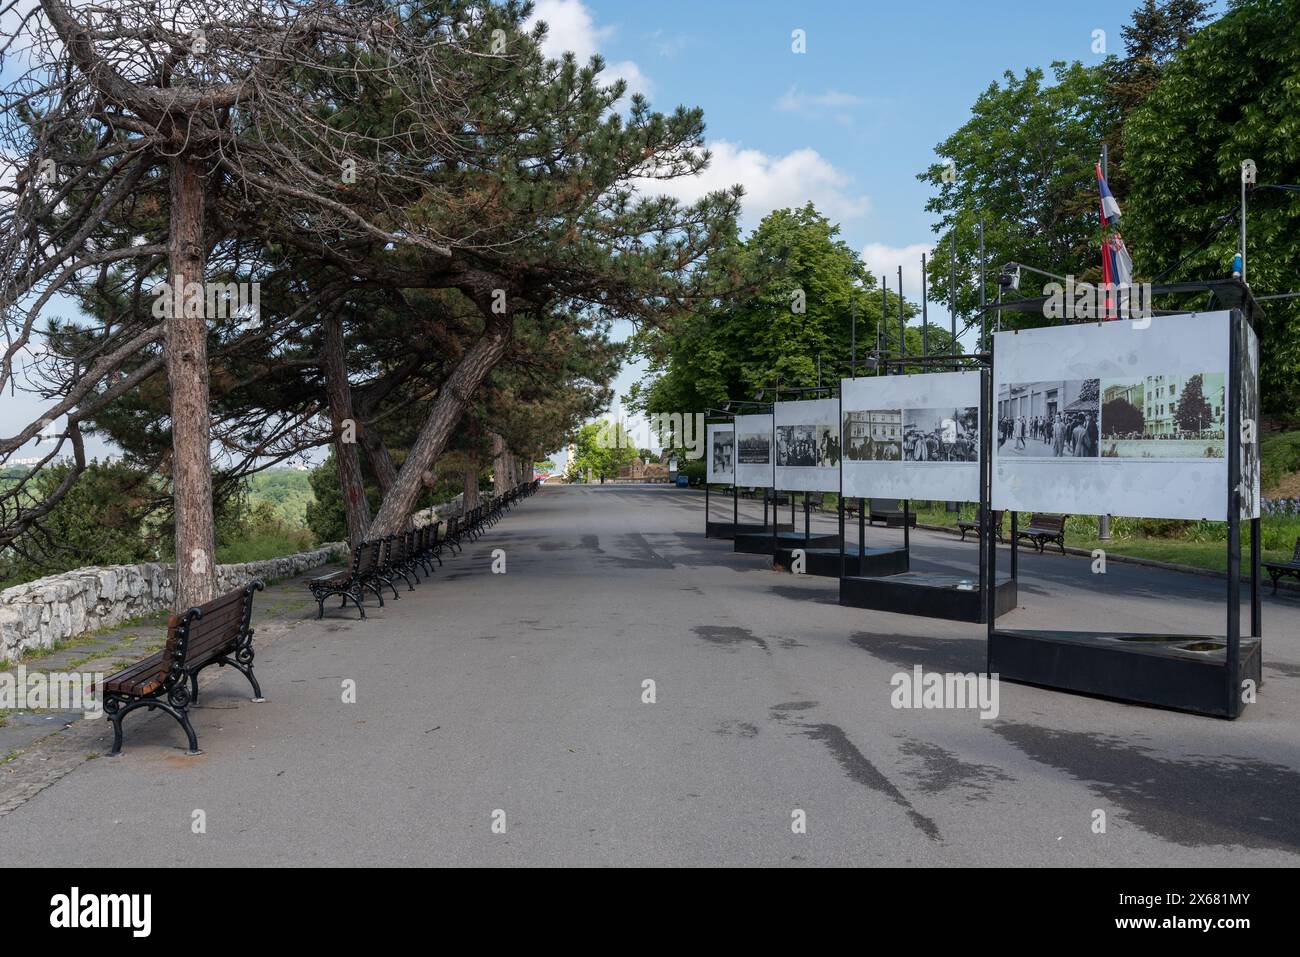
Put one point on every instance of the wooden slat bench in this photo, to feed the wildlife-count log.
(352, 583)
(964, 526)
(216, 633)
(1277, 569)
(1043, 529)
(888, 511)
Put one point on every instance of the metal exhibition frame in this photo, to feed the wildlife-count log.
(1184, 672)
(919, 594)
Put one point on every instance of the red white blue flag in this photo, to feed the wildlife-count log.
(1116, 264)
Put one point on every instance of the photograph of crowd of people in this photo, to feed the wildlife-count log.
(941, 435)
(807, 446)
(874, 435)
(755, 448)
(723, 452)
(1163, 416)
(1057, 419)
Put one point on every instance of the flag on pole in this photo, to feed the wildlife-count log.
(1116, 264)
(1109, 207)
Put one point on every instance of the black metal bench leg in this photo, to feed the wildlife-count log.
(194, 688)
(245, 669)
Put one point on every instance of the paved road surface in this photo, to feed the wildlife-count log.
(522, 693)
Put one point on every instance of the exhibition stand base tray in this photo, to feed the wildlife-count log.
(729, 530)
(826, 561)
(758, 543)
(930, 595)
(1183, 672)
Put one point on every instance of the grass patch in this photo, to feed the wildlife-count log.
(263, 545)
(1279, 454)
(1199, 544)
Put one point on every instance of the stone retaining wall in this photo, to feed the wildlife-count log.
(41, 612)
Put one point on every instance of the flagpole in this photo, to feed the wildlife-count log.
(952, 289)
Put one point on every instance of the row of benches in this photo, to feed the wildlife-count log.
(220, 632)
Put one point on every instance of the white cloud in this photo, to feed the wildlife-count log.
(771, 182)
(792, 101)
(571, 28)
(883, 259)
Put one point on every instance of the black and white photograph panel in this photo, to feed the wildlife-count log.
(941, 435)
(723, 451)
(1164, 416)
(1055, 419)
(873, 435)
(796, 446)
(755, 448)
(828, 446)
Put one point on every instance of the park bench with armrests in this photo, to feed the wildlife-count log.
(352, 582)
(1043, 529)
(1277, 569)
(974, 525)
(889, 511)
(216, 633)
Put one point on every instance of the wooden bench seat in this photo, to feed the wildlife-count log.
(1044, 529)
(216, 633)
(974, 524)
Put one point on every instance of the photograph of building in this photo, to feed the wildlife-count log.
(875, 435)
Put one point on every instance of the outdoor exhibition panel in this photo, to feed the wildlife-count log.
(1152, 418)
(917, 437)
(807, 440)
(754, 458)
(739, 454)
(912, 436)
(806, 458)
(1120, 418)
(720, 448)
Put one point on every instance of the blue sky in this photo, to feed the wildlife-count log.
(850, 122)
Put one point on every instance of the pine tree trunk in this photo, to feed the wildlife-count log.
(186, 345)
(437, 430)
(470, 497)
(500, 464)
(377, 457)
(339, 395)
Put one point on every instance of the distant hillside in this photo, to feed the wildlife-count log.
(288, 490)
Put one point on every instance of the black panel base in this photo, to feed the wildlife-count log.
(760, 544)
(826, 561)
(1183, 672)
(928, 595)
(728, 530)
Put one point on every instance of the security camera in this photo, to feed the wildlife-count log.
(1248, 172)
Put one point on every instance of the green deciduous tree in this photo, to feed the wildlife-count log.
(1232, 94)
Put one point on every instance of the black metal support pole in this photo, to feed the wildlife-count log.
(984, 316)
(902, 329)
(907, 525)
(1232, 433)
(952, 292)
(735, 495)
(706, 505)
(925, 311)
(989, 542)
(862, 531)
(807, 518)
(853, 336)
(983, 514)
(1256, 611)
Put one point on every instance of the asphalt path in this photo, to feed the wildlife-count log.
(519, 699)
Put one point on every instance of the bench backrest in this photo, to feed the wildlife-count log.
(1295, 555)
(364, 558)
(209, 631)
(1053, 523)
(886, 505)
